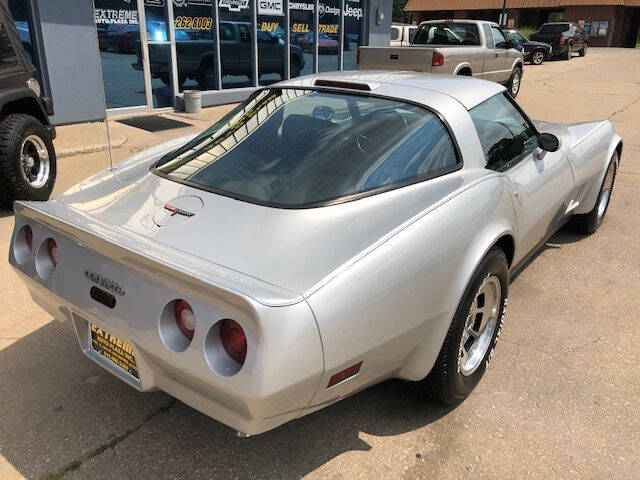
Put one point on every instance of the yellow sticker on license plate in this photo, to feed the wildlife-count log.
(118, 352)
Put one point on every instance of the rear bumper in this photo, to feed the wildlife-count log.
(284, 363)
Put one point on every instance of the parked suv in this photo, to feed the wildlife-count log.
(27, 156)
(564, 37)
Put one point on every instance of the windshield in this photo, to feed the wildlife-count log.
(449, 33)
(554, 28)
(294, 147)
(515, 36)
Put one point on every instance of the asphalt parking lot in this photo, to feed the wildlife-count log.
(560, 400)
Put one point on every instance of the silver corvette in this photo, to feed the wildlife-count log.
(331, 232)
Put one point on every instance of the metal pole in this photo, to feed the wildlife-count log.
(104, 100)
(254, 44)
(316, 22)
(504, 14)
(287, 41)
(216, 55)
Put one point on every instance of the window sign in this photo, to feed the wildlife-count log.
(328, 35)
(301, 37)
(234, 5)
(270, 7)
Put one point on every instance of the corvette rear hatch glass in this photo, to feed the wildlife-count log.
(295, 147)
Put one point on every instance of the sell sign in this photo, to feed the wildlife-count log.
(270, 7)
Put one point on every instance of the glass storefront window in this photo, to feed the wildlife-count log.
(353, 14)
(301, 37)
(236, 40)
(22, 16)
(328, 35)
(195, 45)
(271, 49)
(120, 52)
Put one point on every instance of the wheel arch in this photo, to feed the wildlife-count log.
(464, 69)
(501, 234)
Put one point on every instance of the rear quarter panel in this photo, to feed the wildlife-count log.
(413, 59)
(391, 310)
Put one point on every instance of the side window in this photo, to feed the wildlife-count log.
(7, 54)
(488, 35)
(395, 33)
(412, 34)
(498, 38)
(226, 32)
(264, 37)
(505, 135)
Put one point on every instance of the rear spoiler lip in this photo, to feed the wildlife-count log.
(154, 260)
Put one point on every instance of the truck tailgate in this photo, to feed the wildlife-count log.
(416, 59)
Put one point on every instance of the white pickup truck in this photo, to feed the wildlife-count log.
(458, 47)
(402, 35)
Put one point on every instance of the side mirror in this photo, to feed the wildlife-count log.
(548, 142)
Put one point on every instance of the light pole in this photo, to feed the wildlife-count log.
(503, 16)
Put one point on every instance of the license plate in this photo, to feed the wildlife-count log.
(113, 349)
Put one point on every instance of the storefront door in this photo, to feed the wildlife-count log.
(135, 41)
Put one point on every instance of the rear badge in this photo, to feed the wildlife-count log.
(177, 211)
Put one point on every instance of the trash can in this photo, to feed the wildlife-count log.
(192, 101)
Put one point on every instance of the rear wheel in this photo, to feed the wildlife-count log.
(515, 81)
(472, 336)
(27, 160)
(207, 75)
(569, 52)
(590, 222)
(537, 57)
(583, 50)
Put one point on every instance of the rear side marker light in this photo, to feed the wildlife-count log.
(233, 340)
(185, 318)
(344, 374)
(437, 60)
(52, 249)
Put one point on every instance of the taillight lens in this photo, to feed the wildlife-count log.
(28, 236)
(437, 60)
(185, 318)
(233, 340)
(52, 249)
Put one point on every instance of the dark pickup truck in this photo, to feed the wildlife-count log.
(196, 60)
(564, 37)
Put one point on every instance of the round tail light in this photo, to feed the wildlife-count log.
(185, 318)
(233, 340)
(52, 249)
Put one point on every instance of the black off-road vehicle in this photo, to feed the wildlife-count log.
(27, 156)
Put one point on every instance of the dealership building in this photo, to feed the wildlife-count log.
(137, 56)
(610, 23)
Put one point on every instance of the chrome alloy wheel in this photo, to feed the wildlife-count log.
(607, 187)
(34, 159)
(538, 58)
(480, 325)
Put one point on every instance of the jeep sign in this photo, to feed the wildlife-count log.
(270, 7)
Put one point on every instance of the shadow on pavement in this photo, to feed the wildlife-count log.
(58, 408)
(5, 212)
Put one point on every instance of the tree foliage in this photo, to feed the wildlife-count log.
(399, 14)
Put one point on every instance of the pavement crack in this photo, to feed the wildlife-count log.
(623, 109)
(111, 444)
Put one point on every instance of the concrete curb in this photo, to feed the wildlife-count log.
(68, 152)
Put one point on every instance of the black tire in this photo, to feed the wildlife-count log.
(206, 75)
(538, 57)
(446, 384)
(569, 52)
(514, 88)
(583, 50)
(588, 223)
(14, 129)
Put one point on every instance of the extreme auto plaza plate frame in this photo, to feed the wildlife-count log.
(118, 352)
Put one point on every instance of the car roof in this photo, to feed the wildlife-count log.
(468, 91)
(460, 20)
